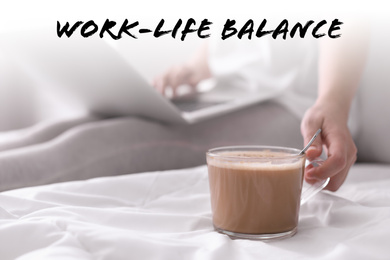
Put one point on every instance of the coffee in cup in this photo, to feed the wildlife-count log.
(255, 191)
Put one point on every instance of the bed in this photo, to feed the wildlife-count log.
(167, 215)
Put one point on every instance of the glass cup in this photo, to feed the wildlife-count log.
(256, 191)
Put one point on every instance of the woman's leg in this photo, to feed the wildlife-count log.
(267, 123)
(41, 132)
(101, 148)
(129, 145)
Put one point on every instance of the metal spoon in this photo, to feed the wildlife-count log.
(310, 142)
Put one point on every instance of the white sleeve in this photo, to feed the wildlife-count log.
(286, 67)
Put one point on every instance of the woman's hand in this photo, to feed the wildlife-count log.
(189, 73)
(176, 76)
(335, 138)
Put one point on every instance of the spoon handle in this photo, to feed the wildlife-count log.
(310, 142)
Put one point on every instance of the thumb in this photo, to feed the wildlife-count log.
(315, 148)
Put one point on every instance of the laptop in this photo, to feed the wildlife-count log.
(96, 75)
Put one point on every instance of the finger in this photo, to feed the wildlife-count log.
(176, 76)
(337, 180)
(163, 85)
(165, 81)
(315, 149)
(158, 84)
(175, 80)
(308, 132)
(186, 77)
(337, 160)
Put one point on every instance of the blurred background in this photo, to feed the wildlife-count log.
(23, 101)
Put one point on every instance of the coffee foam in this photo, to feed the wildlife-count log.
(267, 160)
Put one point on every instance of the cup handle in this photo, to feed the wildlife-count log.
(309, 190)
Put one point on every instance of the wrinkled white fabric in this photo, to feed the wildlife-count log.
(167, 215)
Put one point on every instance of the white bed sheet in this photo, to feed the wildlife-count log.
(167, 215)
